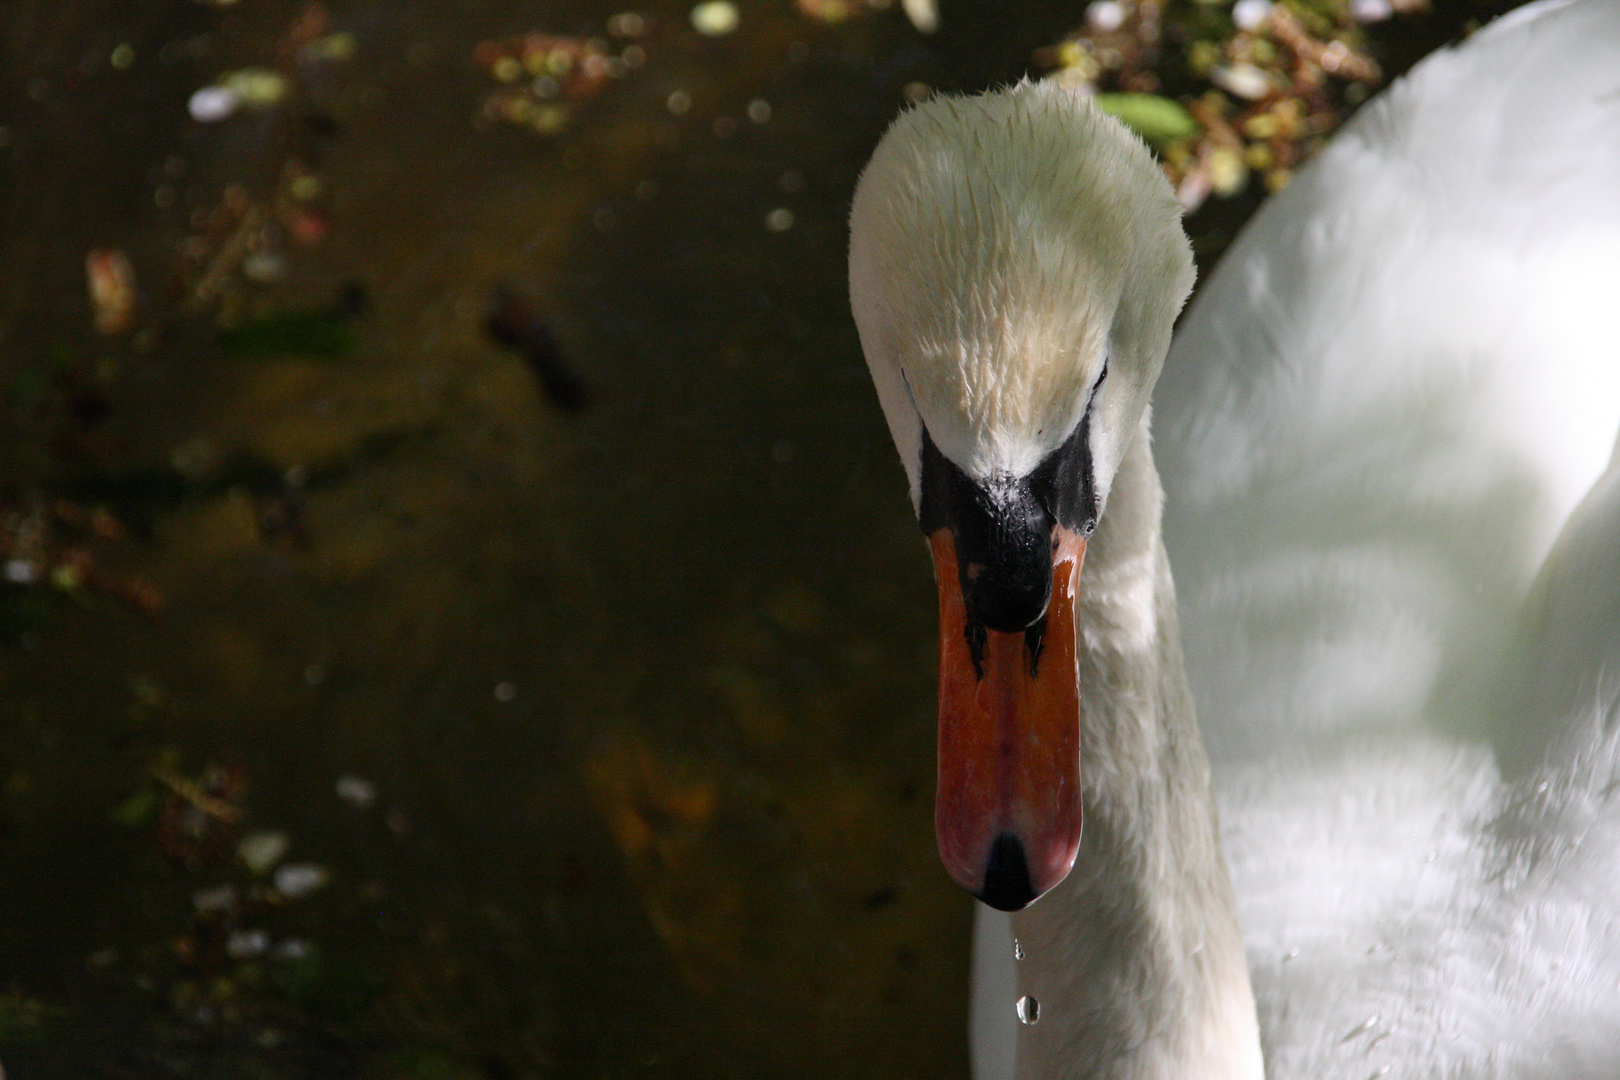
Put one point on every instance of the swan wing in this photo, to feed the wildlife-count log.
(1408, 910)
(1377, 419)
(1382, 407)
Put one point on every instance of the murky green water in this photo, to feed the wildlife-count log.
(643, 695)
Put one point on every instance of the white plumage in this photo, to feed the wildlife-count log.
(1403, 377)
(1376, 429)
(1373, 424)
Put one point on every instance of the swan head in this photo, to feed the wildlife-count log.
(1016, 264)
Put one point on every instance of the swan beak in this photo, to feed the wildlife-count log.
(1007, 813)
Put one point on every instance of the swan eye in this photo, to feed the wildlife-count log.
(1063, 482)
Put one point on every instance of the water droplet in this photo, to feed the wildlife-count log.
(1018, 949)
(1029, 1010)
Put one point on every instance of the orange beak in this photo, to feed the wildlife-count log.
(1007, 814)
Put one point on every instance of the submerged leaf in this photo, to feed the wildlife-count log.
(323, 333)
(138, 809)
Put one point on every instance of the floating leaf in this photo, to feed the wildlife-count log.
(1157, 119)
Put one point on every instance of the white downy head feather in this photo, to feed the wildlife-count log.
(993, 271)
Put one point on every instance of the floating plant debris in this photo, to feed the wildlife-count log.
(112, 290)
(547, 77)
(514, 323)
(60, 544)
(297, 880)
(262, 849)
(198, 820)
(357, 791)
(715, 18)
(1269, 84)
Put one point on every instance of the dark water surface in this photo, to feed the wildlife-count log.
(644, 693)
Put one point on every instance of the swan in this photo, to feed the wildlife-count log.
(1390, 493)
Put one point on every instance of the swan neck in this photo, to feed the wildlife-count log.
(1136, 959)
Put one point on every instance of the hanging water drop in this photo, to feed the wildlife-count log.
(1029, 1010)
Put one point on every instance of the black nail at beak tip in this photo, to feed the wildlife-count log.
(1006, 876)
